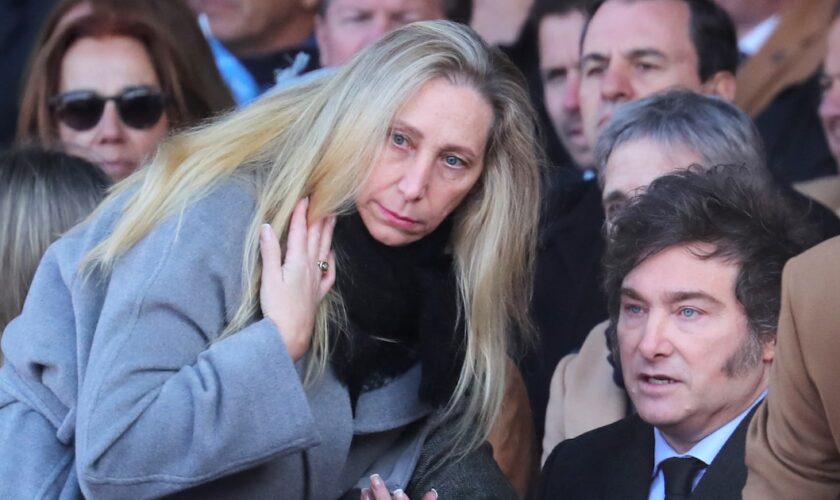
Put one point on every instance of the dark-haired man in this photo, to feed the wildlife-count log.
(692, 276)
(634, 48)
(559, 27)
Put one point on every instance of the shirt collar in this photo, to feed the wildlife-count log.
(754, 39)
(708, 447)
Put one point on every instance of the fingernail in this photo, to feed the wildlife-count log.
(365, 494)
(376, 481)
(435, 492)
(398, 493)
(265, 231)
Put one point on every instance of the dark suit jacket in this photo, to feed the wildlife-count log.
(616, 462)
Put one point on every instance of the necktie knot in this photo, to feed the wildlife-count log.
(679, 475)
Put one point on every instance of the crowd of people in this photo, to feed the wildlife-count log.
(391, 249)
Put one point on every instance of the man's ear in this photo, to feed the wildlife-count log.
(721, 84)
(768, 351)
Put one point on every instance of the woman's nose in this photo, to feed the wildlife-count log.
(415, 179)
(110, 127)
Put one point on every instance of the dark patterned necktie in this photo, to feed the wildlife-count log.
(679, 475)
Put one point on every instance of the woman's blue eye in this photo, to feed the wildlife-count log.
(453, 161)
(399, 139)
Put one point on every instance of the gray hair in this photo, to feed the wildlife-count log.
(717, 131)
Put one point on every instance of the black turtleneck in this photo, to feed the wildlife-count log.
(402, 308)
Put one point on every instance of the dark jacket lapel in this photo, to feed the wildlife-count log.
(727, 474)
(630, 470)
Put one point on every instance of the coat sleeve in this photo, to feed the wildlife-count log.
(792, 442)
(165, 404)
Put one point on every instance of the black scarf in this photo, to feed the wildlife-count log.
(402, 308)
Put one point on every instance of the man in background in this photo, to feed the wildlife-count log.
(782, 44)
(254, 39)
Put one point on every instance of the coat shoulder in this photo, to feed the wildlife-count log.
(579, 465)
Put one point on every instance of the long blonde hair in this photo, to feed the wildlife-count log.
(320, 139)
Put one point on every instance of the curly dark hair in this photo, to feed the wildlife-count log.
(742, 216)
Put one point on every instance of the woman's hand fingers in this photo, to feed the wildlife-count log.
(325, 245)
(293, 285)
(296, 240)
(271, 254)
(327, 278)
(378, 491)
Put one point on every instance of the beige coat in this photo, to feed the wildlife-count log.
(793, 443)
(583, 395)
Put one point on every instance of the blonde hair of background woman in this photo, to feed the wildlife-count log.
(321, 139)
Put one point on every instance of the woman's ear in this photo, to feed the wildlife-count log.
(721, 84)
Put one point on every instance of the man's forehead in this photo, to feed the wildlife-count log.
(683, 270)
(394, 5)
(629, 25)
(559, 35)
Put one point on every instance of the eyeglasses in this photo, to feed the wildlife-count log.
(138, 107)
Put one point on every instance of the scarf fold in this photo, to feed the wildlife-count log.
(402, 308)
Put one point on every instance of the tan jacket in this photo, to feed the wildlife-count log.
(792, 53)
(512, 435)
(794, 438)
(583, 395)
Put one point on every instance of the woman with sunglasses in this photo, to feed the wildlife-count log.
(186, 339)
(109, 84)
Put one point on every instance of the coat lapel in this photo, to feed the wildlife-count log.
(630, 470)
(727, 474)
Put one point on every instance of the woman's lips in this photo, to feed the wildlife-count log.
(396, 219)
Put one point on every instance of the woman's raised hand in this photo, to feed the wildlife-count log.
(293, 285)
(378, 491)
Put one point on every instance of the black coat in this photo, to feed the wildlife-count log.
(616, 462)
(567, 301)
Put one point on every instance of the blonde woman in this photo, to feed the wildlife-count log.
(186, 339)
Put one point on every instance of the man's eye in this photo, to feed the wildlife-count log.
(354, 17)
(593, 71)
(633, 309)
(689, 312)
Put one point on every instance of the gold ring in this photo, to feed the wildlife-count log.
(324, 266)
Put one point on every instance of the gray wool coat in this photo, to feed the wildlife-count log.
(120, 388)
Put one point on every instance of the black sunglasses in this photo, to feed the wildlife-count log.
(138, 107)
